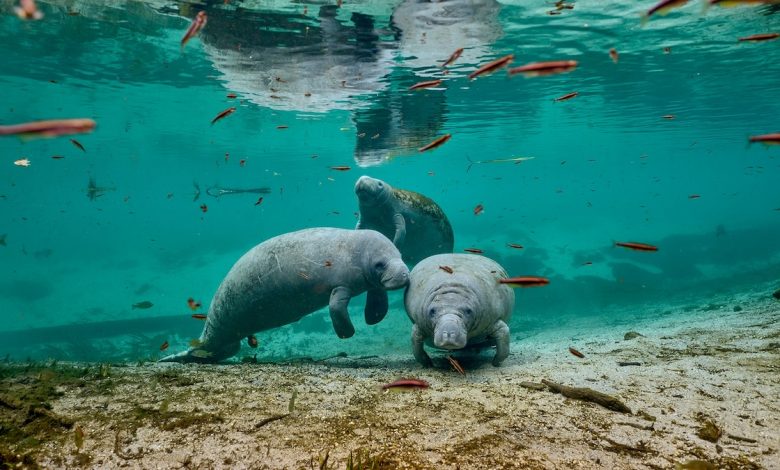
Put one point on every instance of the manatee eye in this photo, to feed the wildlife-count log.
(468, 312)
(432, 312)
(380, 184)
(379, 265)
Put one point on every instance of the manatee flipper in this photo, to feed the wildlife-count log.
(418, 339)
(501, 335)
(339, 316)
(376, 306)
(400, 229)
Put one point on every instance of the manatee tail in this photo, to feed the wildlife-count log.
(204, 356)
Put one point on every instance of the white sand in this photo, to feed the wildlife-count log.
(699, 365)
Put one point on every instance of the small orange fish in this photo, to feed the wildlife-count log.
(435, 143)
(473, 250)
(446, 269)
(204, 208)
(455, 55)
(428, 84)
(538, 69)
(766, 139)
(479, 209)
(760, 37)
(567, 96)
(193, 304)
(223, 114)
(197, 24)
(637, 246)
(576, 353)
(456, 365)
(491, 67)
(199, 316)
(259, 201)
(232, 95)
(164, 346)
(341, 168)
(514, 245)
(525, 281)
(28, 10)
(251, 340)
(613, 54)
(78, 145)
(406, 383)
(22, 162)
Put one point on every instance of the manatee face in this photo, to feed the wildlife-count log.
(452, 314)
(384, 264)
(371, 191)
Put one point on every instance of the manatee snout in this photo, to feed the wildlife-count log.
(450, 332)
(367, 188)
(396, 275)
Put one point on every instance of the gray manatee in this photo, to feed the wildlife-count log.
(416, 224)
(291, 275)
(465, 308)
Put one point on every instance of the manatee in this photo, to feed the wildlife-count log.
(416, 224)
(465, 308)
(289, 276)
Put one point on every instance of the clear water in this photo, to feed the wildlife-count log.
(607, 167)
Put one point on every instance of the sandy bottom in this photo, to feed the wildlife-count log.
(707, 388)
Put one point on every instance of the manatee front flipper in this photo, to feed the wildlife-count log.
(376, 306)
(501, 335)
(417, 347)
(339, 316)
(204, 356)
(400, 229)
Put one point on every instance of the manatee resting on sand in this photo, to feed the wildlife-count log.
(289, 276)
(465, 308)
(415, 223)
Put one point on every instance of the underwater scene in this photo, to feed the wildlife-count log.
(413, 234)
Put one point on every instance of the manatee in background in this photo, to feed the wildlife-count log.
(289, 276)
(465, 308)
(416, 224)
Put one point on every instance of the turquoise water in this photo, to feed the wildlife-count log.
(606, 165)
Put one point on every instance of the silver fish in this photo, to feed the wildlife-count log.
(216, 191)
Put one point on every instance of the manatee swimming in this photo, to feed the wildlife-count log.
(415, 223)
(456, 301)
(292, 275)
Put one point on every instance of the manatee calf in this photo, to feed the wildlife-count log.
(416, 224)
(456, 300)
(289, 276)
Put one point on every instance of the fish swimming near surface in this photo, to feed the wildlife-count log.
(47, 129)
(143, 305)
(766, 139)
(567, 96)
(436, 143)
(525, 281)
(491, 67)
(538, 69)
(663, 7)
(760, 37)
(476, 251)
(636, 246)
(515, 245)
(197, 24)
(218, 192)
(94, 191)
(428, 84)
(455, 55)
(78, 145)
(223, 114)
(514, 160)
